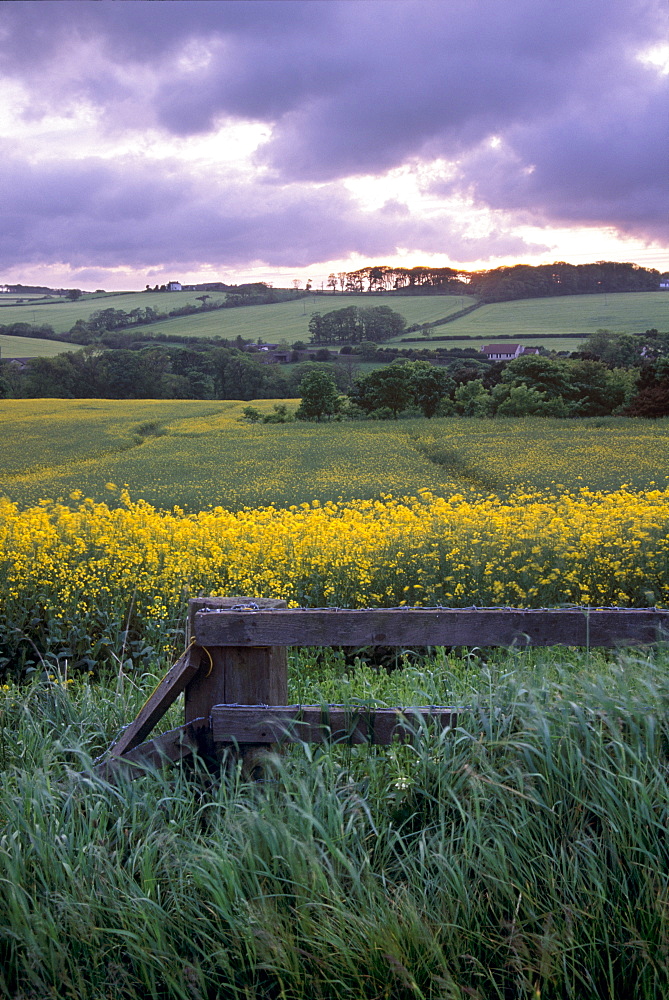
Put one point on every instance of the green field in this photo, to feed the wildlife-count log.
(62, 314)
(525, 319)
(622, 312)
(290, 320)
(206, 457)
(30, 347)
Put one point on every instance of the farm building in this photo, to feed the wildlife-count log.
(507, 352)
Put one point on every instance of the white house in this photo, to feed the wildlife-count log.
(507, 352)
(173, 286)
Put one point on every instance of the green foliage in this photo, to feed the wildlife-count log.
(352, 325)
(522, 855)
(472, 399)
(279, 415)
(429, 386)
(384, 388)
(319, 396)
(521, 281)
(523, 401)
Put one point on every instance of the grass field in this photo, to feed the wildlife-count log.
(281, 320)
(30, 347)
(623, 312)
(568, 315)
(62, 314)
(206, 457)
(290, 320)
(523, 855)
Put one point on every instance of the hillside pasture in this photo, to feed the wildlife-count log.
(622, 312)
(31, 347)
(275, 321)
(290, 320)
(62, 314)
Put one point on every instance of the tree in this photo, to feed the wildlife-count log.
(381, 323)
(429, 385)
(523, 401)
(596, 389)
(351, 325)
(652, 398)
(319, 396)
(543, 374)
(472, 399)
(615, 349)
(383, 389)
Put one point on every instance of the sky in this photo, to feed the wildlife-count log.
(148, 140)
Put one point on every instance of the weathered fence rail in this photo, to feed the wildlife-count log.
(430, 627)
(235, 679)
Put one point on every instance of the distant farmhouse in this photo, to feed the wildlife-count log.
(507, 352)
(173, 286)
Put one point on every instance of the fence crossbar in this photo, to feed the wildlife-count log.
(407, 627)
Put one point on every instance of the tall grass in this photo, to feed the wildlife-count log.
(523, 855)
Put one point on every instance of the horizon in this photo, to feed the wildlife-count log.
(317, 290)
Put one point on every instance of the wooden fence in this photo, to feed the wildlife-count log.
(234, 670)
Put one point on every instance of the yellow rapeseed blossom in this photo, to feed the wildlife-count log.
(529, 550)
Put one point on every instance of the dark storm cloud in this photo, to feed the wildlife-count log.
(352, 88)
(612, 168)
(126, 214)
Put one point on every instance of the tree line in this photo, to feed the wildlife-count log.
(169, 372)
(520, 281)
(610, 376)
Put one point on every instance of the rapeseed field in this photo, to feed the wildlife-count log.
(202, 454)
(94, 567)
(449, 512)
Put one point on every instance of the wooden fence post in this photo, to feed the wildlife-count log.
(236, 675)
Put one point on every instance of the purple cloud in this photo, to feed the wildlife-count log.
(347, 89)
(126, 213)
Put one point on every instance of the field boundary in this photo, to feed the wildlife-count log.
(234, 671)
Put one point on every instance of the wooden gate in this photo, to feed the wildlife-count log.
(234, 670)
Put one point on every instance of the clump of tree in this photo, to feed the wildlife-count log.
(354, 326)
(279, 414)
